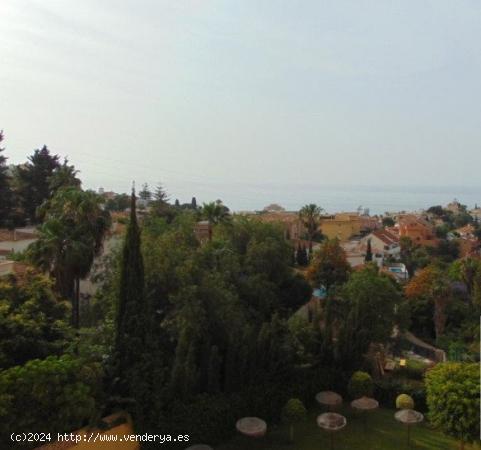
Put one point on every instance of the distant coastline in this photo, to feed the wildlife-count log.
(378, 199)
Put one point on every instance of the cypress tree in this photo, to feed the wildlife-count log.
(299, 255)
(194, 203)
(368, 257)
(132, 324)
(6, 199)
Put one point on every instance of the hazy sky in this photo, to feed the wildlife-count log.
(212, 97)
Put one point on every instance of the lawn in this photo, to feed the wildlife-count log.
(383, 432)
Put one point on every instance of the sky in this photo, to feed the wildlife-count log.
(240, 99)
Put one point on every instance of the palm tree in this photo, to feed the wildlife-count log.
(215, 213)
(69, 240)
(310, 218)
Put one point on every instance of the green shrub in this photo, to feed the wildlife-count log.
(387, 390)
(360, 385)
(453, 399)
(404, 401)
(53, 395)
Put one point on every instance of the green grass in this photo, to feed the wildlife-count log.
(383, 432)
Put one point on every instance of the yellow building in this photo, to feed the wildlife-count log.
(341, 226)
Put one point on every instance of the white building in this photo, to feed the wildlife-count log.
(383, 242)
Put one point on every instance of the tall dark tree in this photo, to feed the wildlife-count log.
(368, 256)
(6, 199)
(194, 203)
(33, 180)
(132, 313)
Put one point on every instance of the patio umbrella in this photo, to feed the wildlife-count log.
(365, 404)
(329, 399)
(409, 417)
(251, 426)
(331, 422)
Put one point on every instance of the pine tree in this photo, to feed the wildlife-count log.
(33, 180)
(368, 257)
(160, 195)
(132, 324)
(177, 203)
(194, 203)
(6, 196)
(145, 193)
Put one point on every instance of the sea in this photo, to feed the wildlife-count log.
(337, 198)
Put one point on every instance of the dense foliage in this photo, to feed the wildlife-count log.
(360, 385)
(33, 321)
(453, 400)
(53, 395)
(329, 266)
(218, 314)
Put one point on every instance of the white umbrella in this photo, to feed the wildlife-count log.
(365, 404)
(331, 422)
(329, 399)
(251, 426)
(409, 417)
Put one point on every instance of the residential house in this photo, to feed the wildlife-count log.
(342, 226)
(369, 223)
(419, 230)
(383, 242)
(293, 227)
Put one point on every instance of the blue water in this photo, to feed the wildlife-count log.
(378, 199)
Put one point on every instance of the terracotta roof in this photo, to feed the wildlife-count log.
(411, 219)
(385, 236)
